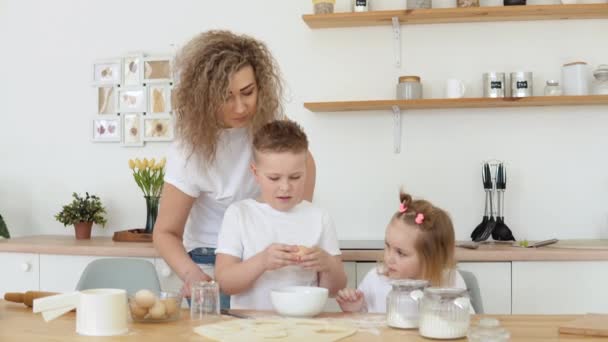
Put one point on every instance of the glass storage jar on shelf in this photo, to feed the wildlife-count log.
(402, 303)
(445, 313)
(552, 88)
(600, 84)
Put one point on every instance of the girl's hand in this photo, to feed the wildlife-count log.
(316, 259)
(192, 278)
(279, 255)
(350, 300)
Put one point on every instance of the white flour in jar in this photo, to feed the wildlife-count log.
(434, 326)
(396, 320)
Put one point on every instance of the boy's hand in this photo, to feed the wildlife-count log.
(279, 255)
(191, 278)
(315, 259)
(350, 300)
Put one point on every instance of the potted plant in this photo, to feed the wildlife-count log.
(82, 213)
(149, 176)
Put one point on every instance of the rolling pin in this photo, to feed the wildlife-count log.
(26, 298)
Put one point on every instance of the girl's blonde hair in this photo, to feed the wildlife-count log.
(204, 67)
(435, 243)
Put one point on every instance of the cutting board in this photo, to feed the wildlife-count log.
(288, 329)
(590, 324)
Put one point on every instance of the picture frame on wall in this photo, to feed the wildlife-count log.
(106, 129)
(159, 98)
(159, 127)
(107, 100)
(132, 100)
(132, 68)
(132, 134)
(157, 69)
(107, 72)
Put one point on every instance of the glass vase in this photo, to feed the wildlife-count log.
(152, 212)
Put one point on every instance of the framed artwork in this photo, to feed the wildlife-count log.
(132, 100)
(157, 69)
(159, 98)
(106, 100)
(158, 127)
(106, 129)
(132, 69)
(107, 72)
(132, 130)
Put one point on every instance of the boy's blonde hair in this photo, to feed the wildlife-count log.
(435, 244)
(204, 67)
(280, 136)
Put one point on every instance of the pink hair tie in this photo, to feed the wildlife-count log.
(419, 218)
(402, 207)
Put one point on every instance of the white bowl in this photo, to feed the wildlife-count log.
(299, 301)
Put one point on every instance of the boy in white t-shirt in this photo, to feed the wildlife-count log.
(277, 239)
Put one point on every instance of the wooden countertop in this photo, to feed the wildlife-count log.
(565, 250)
(18, 323)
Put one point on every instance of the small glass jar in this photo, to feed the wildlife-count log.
(600, 85)
(468, 3)
(444, 313)
(414, 4)
(402, 303)
(360, 5)
(323, 6)
(552, 88)
(488, 330)
(409, 88)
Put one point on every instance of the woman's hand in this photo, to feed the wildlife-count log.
(279, 255)
(350, 300)
(191, 278)
(315, 259)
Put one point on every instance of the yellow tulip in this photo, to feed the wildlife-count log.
(138, 164)
(131, 164)
(152, 162)
(163, 162)
(145, 162)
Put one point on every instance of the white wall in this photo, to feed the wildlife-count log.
(558, 172)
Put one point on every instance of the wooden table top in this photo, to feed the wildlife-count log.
(18, 323)
(565, 250)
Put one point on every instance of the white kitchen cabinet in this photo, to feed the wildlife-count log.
(350, 267)
(19, 272)
(60, 273)
(494, 280)
(562, 287)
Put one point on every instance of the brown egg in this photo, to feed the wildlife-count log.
(157, 311)
(145, 299)
(171, 306)
(136, 311)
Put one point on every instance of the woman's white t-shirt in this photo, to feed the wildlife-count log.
(375, 288)
(250, 226)
(215, 186)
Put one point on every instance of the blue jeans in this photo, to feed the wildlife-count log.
(206, 256)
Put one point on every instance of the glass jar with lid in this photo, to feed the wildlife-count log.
(600, 84)
(488, 329)
(444, 313)
(402, 303)
(409, 88)
(552, 88)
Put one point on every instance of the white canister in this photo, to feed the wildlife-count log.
(491, 3)
(102, 312)
(360, 5)
(454, 89)
(575, 78)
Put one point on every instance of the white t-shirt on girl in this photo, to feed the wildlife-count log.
(250, 226)
(376, 287)
(215, 186)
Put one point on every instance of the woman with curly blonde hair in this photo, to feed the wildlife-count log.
(228, 86)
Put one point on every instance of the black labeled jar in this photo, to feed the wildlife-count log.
(514, 2)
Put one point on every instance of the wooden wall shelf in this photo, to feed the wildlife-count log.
(534, 101)
(458, 15)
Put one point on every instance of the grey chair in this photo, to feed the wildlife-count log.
(474, 292)
(119, 273)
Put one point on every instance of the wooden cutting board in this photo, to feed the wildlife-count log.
(590, 324)
(305, 330)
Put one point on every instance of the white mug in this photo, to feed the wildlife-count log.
(454, 89)
(444, 4)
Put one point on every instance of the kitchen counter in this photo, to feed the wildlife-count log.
(352, 250)
(18, 323)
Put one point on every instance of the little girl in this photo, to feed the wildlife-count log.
(419, 244)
